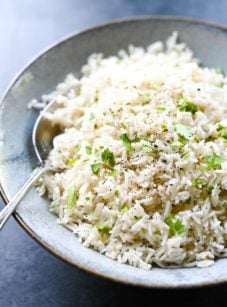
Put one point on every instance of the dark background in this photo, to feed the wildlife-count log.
(29, 275)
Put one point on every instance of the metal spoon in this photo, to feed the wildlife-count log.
(42, 139)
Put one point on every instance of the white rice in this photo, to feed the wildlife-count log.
(131, 215)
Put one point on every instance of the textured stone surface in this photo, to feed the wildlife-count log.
(29, 275)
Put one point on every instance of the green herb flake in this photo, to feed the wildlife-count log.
(96, 168)
(144, 97)
(77, 146)
(164, 127)
(147, 149)
(176, 144)
(71, 162)
(103, 229)
(186, 155)
(175, 228)
(108, 157)
(198, 181)
(185, 105)
(210, 189)
(124, 208)
(92, 116)
(222, 131)
(160, 108)
(72, 197)
(87, 198)
(104, 113)
(126, 141)
(214, 161)
(183, 131)
(88, 150)
(219, 70)
(114, 173)
(122, 125)
(116, 193)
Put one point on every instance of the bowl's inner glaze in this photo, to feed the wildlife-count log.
(17, 157)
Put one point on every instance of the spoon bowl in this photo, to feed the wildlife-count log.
(42, 138)
(44, 132)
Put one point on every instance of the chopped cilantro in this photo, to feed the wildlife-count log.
(209, 189)
(147, 148)
(114, 173)
(186, 155)
(124, 208)
(88, 149)
(87, 198)
(144, 97)
(122, 125)
(176, 144)
(96, 168)
(222, 131)
(175, 228)
(103, 229)
(92, 116)
(198, 181)
(219, 70)
(214, 161)
(183, 131)
(71, 162)
(116, 193)
(108, 157)
(77, 146)
(164, 127)
(126, 141)
(185, 105)
(160, 108)
(72, 197)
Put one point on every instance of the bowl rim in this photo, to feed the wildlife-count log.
(3, 194)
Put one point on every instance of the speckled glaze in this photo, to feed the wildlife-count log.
(17, 156)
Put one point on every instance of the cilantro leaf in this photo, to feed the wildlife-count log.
(72, 197)
(222, 131)
(71, 162)
(175, 228)
(124, 208)
(209, 189)
(147, 148)
(164, 127)
(214, 161)
(183, 131)
(103, 229)
(219, 70)
(126, 141)
(160, 108)
(185, 105)
(179, 227)
(88, 149)
(176, 144)
(144, 97)
(198, 181)
(114, 173)
(92, 116)
(108, 157)
(96, 168)
(186, 155)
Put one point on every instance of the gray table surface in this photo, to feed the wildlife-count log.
(29, 275)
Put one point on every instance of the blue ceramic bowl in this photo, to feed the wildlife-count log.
(208, 41)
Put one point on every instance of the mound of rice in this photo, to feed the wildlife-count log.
(143, 157)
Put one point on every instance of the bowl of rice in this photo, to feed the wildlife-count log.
(140, 195)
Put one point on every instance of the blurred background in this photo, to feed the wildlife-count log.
(29, 275)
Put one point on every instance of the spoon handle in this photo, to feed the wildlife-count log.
(12, 205)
